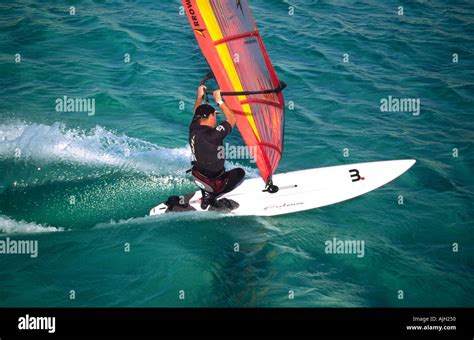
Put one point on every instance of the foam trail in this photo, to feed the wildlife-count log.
(10, 226)
(97, 147)
(153, 220)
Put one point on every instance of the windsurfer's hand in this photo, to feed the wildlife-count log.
(217, 95)
(202, 90)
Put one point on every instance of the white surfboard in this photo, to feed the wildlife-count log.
(304, 189)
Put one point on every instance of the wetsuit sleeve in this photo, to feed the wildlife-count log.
(194, 124)
(220, 132)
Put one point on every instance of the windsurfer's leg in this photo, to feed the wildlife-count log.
(234, 178)
(208, 198)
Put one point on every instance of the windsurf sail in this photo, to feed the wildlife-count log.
(232, 45)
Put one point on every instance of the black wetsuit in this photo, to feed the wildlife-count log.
(207, 147)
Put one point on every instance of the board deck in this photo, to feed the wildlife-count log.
(305, 189)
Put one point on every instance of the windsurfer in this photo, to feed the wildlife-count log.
(206, 139)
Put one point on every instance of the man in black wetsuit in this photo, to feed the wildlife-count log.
(206, 139)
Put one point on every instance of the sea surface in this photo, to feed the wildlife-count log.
(82, 183)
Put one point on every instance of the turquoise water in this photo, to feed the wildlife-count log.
(81, 185)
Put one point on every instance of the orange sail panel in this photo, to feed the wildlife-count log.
(230, 41)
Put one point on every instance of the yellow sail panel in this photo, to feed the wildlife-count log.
(230, 42)
(226, 58)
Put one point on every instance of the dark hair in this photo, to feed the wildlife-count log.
(204, 111)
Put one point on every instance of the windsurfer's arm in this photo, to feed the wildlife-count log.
(200, 95)
(229, 114)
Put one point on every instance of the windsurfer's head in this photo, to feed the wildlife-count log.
(206, 115)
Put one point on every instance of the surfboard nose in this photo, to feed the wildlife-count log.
(408, 163)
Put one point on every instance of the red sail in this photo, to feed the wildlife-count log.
(229, 40)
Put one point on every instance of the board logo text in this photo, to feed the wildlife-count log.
(355, 175)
